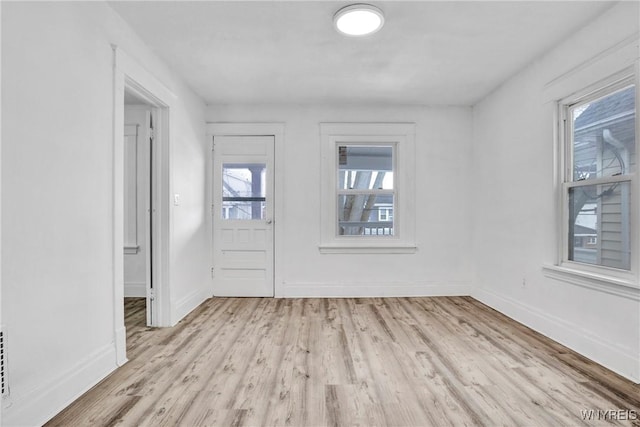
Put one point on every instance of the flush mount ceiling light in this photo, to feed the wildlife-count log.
(358, 20)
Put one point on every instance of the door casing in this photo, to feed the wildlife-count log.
(130, 75)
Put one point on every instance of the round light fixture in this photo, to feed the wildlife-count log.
(358, 20)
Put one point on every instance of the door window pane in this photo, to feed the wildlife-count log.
(244, 191)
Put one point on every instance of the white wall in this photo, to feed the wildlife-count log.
(514, 214)
(442, 264)
(57, 199)
(190, 241)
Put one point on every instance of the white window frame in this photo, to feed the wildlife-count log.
(402, 137)
(566, 269)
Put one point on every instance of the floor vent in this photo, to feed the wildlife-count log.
(3, 363)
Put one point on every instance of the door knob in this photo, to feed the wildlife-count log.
(269, 221)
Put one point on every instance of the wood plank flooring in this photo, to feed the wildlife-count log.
(444, 361)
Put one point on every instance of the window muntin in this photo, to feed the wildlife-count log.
(600, 168)
(244, 191)
(364, 186)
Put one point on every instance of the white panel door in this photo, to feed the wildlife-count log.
(243, 216)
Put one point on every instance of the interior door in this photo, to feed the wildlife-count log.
(138, 281)
(243, 216)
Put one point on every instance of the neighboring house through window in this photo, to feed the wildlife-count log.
(385, 212)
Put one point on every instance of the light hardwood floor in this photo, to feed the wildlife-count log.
(341, 362)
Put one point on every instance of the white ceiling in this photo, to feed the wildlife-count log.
(428, 52)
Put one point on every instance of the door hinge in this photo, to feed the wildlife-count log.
(152, 295)
(212, 272)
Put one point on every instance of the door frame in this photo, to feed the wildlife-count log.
(276, 130)
(129, 75)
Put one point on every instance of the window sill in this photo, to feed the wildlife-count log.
(624, 287)
(131, 250)
(367, 249)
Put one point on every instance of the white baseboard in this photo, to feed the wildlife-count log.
(135, 289)
(374, 289)
(599, 349)
(38, 406)
(186, 304)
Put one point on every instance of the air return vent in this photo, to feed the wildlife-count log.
(3, 363)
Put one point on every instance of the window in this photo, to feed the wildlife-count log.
(367, 187)
(599, 139)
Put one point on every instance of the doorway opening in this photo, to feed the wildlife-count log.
(134, 85)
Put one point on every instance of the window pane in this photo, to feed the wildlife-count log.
(365, 214)
(243, 190)
(604, 136)
(365, 167)
(599, 224)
